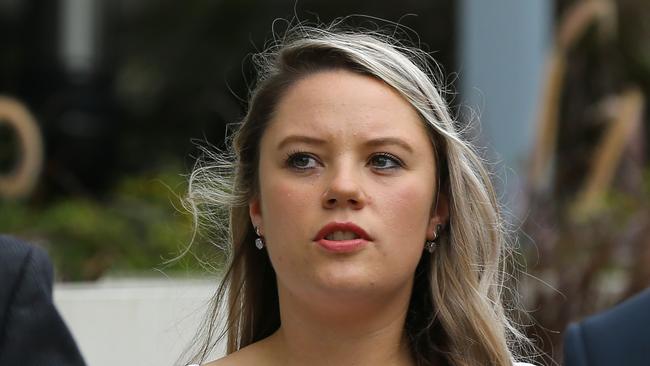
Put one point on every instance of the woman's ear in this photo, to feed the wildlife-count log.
(255, 212)
(439, 216)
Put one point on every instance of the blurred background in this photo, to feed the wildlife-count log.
(102, 104)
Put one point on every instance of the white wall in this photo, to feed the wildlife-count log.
(133, 321)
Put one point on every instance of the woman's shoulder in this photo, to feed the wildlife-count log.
(233, 359)
(229, 360)
(253, 354)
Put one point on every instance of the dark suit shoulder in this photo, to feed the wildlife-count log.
(28, 317)
(20, 262)
(575, 353)
(616, 336)
(632, 312)
(13, 253)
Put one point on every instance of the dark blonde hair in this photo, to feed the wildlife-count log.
(455, 314)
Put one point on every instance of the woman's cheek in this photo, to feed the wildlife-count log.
(286, 210)
(291, 198)
(409, 207)
(279, 194)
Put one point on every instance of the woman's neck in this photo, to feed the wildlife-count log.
(362, 333)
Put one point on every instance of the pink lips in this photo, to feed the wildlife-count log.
(342, 246)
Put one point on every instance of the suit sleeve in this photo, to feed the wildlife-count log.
(32, 332)
(575, 353)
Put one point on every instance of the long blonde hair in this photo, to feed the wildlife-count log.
(456, 315)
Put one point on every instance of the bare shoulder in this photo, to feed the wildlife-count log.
(237, 358)
(255, 354)
(231, 359)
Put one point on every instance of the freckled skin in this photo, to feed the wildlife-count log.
(393, 206)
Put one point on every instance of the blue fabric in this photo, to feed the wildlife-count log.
(619, 336)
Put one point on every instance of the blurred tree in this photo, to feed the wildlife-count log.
(157, 74)
(184, 70)
(589, 194)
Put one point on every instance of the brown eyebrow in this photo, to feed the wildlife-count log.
(372, 143)
(390, 141)
(300, 138)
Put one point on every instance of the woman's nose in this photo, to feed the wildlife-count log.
(344, 190)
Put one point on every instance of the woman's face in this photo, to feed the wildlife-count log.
(347, 182)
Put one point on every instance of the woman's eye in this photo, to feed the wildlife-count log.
(301, 161)
(385, 161)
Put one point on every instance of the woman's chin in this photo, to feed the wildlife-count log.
(352, 281)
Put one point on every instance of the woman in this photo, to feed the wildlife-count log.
(362, 228)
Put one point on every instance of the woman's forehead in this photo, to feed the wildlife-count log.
(340, 103)
(341, 88)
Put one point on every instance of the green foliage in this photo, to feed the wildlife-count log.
(139, 227)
